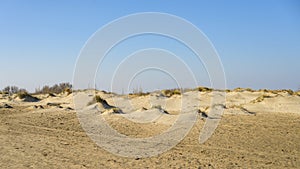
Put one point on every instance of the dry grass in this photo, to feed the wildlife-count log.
(96, 99)
(239, 89)
(27, 97)
(68, 91)
(133, 95)
(204, 89)
(171, 92)
(23, 95)
(260, 98)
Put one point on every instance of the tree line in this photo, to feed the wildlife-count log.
(55, 89)
(13, 90)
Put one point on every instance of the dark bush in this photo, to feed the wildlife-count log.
(171, 92)
(23, 95)
(204, 89)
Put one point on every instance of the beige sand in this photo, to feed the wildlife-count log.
(259, 129)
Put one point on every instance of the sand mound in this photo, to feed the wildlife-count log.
(50, 95)
(146, 116)
(104, 108)
(25, 97)
(101, 105)
(114, 110)
(235, 109)
(5, 105)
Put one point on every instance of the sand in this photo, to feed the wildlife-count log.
(258, 129)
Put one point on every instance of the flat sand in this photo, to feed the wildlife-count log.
(257, 130)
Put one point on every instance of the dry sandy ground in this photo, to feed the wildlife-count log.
(258, 130)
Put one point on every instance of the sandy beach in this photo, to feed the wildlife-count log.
(258, 129)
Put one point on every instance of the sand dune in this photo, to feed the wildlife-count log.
(258, 129)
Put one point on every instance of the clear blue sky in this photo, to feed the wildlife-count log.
(258, 41)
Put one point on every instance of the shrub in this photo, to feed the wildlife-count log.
(117, 110)
(260, 98)
(249, 90)
(99, 99)
(27, 97)
(171, 92)
(22, 95)
(204, 89)
(289, 91)
(68, 91)
(139, 94)
(263, 90)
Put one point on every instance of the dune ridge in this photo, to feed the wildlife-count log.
(258, 128)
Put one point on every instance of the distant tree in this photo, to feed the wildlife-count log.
(13, 90)
(65, 85)
(6, 90)
(37, 90)
(56, 88)
(45, 89)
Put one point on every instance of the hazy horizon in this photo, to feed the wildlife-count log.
(257, 42)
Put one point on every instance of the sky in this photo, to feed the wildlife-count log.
(258, 42)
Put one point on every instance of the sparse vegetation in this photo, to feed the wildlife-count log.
(239, 89)
(99, 99)
(27, 97)
(263, 90)
(116, 110)
(138, 92)
(242, 109)
(260, 98)
(227, 90)
(171, 92)
(204, 89)
(297, 93)
(108, 108)
(23, 95)
(68, 91)
(289, 91)
(249, 90)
